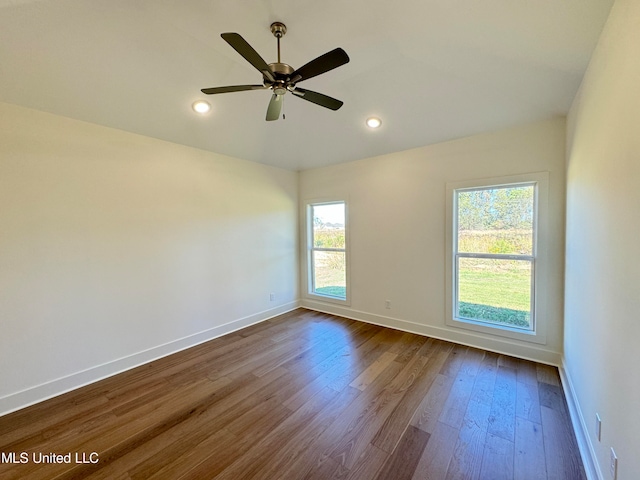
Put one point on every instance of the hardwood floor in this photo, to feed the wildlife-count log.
(306, 396)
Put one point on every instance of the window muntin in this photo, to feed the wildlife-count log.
(327, 250)
(494, 255)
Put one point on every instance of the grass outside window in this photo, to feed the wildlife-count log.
(496, 291)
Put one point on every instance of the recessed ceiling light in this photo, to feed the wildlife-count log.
(373, 122)
(201, 106)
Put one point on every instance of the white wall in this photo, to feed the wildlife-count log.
(602, 306)
(397, 228)
(117, 248)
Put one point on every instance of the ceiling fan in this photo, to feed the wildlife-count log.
(281, 78)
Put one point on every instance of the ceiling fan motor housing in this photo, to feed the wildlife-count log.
(281, 70)
(282, 73)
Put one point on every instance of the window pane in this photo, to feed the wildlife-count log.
(496, 220)
(497, 291)
(328, 225)
(329, 274)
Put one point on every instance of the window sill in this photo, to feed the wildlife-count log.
(498, 330)
(328, 299)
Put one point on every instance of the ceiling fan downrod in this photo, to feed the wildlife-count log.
(278, 29)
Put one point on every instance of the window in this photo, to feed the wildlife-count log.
(493, 244)
(327, 250)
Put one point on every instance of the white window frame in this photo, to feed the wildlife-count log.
(538, 257)
(310, 248)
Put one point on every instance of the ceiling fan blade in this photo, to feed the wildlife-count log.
(318, 98)
(241, 46)
(275, 107)
(232, 88)
(322, 64)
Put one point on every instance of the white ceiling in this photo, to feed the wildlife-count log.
(433, 70)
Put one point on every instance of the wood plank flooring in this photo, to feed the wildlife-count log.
(306, 396)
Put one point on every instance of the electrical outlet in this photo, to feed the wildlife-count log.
(272, 297)
(387, 304)
(613, 465)
(598, 427)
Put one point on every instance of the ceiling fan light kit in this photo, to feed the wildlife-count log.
(281, 78)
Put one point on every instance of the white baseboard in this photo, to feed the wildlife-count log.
(528, 352)
(18, 400)
(589, 458)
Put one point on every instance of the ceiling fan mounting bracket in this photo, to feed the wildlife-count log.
(278, 29)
